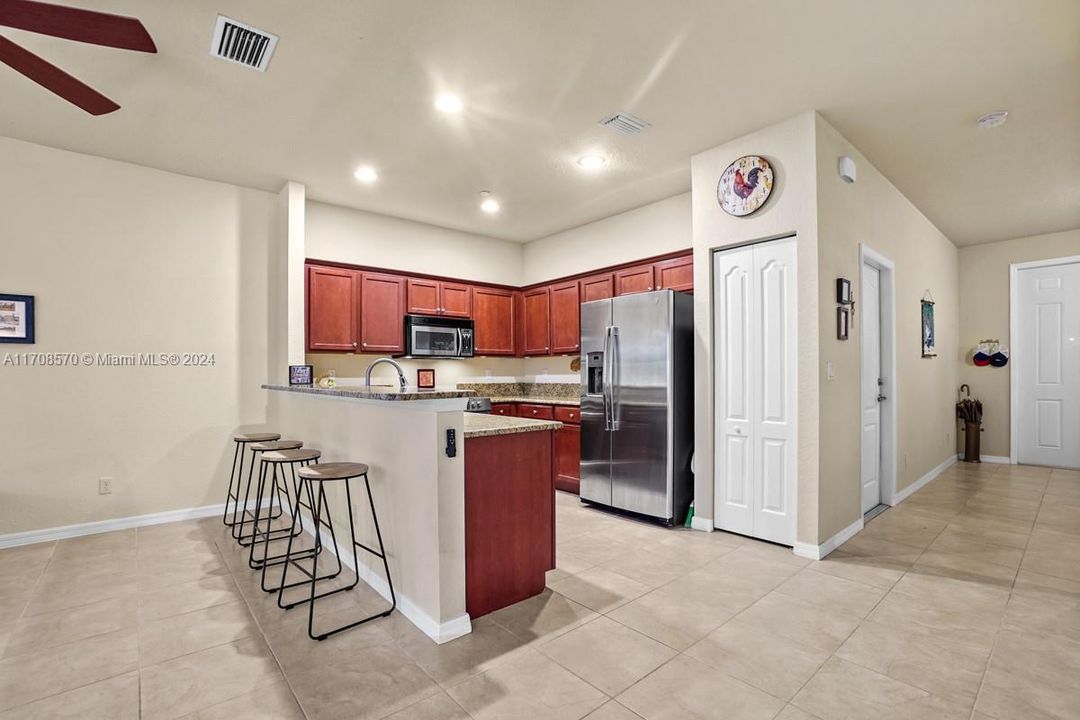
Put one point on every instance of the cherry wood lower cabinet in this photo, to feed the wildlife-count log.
(509, 519)
(504, 409)
(566, 452)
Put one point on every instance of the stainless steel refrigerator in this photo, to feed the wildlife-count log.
(637, 403)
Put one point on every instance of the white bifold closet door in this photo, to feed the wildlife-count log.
(1048, 392)
(755, 353)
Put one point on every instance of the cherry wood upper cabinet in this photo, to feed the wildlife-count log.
(332, 305)
(434, 297)
(565, 317)
(493, 321)
(456, 299)
(423, 296)
(634, 280)
(537, 321)
(598, 287)
(675, 274)
(382, 310)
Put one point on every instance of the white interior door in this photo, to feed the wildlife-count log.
(1048, 388)
(870, 332)
(755, 354)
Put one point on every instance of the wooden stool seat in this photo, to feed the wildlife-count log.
(333, 471)
(291, 456)
(278, 445)
(256, 437)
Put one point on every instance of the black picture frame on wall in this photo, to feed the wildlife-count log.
(843, 323)
(843, 291)
(17, 319)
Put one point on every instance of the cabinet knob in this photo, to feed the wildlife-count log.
(365, 344)
(534, 412)
(571, 416)
(354, 343)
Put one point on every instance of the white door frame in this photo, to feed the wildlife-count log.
(887, 288)
(1014, 344)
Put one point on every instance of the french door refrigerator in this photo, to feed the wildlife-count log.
(637, 414)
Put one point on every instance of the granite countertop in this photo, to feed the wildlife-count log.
(482, 425)
(568, 402)
(377, 392)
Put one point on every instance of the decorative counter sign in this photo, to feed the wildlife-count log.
(425, 379)
(17, 319)
(745, 185)
(300, 374)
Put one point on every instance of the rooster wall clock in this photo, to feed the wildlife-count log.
(745, 185)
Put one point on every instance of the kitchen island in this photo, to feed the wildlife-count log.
(429, 491)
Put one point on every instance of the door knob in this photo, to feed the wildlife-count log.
(881, 398)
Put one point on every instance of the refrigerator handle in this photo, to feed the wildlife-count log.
(605, 370)
(614, 379)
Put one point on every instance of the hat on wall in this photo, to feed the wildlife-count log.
(981, 356)
(1000, 356)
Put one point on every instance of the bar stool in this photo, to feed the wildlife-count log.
(316, 476)
(271, 459)
(257, 448)
(236, 476)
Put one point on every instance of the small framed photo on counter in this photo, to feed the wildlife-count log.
(425, 379)
(300, 374)
(17, 319)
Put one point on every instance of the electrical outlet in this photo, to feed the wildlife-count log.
(104, 486)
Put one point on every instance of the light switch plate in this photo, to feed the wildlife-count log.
(830, 370)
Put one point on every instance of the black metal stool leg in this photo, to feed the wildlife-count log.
(238, 527)
(229, 495)
(291, 559)
(296, 530)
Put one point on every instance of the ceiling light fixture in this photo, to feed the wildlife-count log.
(591, 161)
(489, 204)
(993, 120)
(366, 174)
(448, 103)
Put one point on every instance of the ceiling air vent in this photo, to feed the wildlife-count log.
(624, 123)
(239, 43)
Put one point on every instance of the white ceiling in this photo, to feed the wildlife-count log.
(352, 82)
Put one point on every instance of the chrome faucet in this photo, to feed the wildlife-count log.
(397, 366)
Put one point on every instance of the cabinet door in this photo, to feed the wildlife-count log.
(331, 308)
(535, 412)
(423, 297)
(456, 300)
(634, 280)
(565, 318)
(382, 312)
(598, 287)
(537, 313)
(675, 274)
(493, 321)
(504, 409)
(567, 461)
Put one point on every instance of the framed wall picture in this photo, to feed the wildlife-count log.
(843, 291)
(425, 379)
(17, 319)
(929, 339)
(843, 321)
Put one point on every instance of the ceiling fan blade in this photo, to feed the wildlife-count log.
(54, 79)
(86, 26)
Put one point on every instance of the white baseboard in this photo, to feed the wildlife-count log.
(699, 523)
(902, 495)
(439, 632)
(1002, 459)
(818, 552)
(30, 537)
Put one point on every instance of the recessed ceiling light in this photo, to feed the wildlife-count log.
(488, 204)
(994, 119)
(591, 161)
(366, 174)
(448, 103)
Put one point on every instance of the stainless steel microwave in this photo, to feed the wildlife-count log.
(439, 337)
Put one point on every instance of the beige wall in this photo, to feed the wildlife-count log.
(789, 146)
(363, 238)
(874, 212)
(653, 229)
(984, 313)
(124, 259)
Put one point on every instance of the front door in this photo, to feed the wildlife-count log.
(1048, 356)
(870, 473)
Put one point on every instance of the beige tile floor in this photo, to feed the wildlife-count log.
(963, 602)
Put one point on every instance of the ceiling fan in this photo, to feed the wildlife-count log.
(69, 23)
